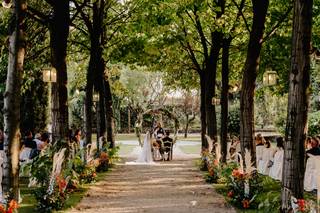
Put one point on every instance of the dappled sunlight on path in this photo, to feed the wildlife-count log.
(170, 186)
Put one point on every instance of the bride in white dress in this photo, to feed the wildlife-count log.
(145, 156)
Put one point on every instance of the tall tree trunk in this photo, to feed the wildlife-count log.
(12, 101)
(204, 142)
(109, 114)
(187, 126)
(260, 8)
(224, 98)
(102, 113)
(59, 31)
(211, 73)
(129, 120)
(88, 99)
(298, 104)
(94, 69)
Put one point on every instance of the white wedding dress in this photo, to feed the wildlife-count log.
(145, 156)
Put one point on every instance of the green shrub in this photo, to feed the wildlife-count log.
(234, 120)
(313, 123)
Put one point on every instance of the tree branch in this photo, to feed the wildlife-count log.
(78, 11)
(275, 27)
(37, 15)
(242, 15)
(84, 16)
(201, 34)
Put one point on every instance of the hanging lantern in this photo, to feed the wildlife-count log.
(270, 78)
(49, 75)
(215, 101)
(6, 3)
(96, 96)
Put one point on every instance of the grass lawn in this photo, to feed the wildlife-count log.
(132, 136)
(190, 149)
(126, 137)
(126, 149)
(195, 138)
(29, 203)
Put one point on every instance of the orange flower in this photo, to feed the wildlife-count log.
(215, 162)
(301, 204)
(245, 204)
(62, 183)
(236, 173)
(211, 172)
(103, 155)
(230, 194)
(13, 204)
(2, 209)
(94, 174)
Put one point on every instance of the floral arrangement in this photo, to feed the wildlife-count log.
(213, 165)
(88, 175)
(303, 206)
(103, 162)
(244, 184)
(53, 195)
(10, 208)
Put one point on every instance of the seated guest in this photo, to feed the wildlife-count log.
(234, 156)
(308, 143)
(37, 139)
(259, 147)
(78, 139)
(277, 161)
(45, 140)
(27, 145)
(315, 149)
(310, 175)
(267, 155)
(28, 141)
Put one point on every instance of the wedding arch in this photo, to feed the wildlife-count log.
(153, 112)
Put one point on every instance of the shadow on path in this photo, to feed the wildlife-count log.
(172, 187)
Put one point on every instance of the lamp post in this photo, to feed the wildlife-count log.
(49, 75)
(95, 100)
(215, 101)
(270, 78)
(6, 3)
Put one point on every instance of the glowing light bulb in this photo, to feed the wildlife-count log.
(6, 3)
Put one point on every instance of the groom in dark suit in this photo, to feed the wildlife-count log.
(167, 143)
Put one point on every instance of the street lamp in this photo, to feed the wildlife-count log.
(215, 101)
(270, 78)
(49, 75)
(6, 3)
(96, 96)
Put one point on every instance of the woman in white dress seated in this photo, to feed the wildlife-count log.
(277, 161)
(264, 163)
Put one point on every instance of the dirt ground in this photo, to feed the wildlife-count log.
(173, 187)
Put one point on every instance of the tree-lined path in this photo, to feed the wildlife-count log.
(175, 186)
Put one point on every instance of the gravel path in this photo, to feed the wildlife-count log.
(173, 187)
